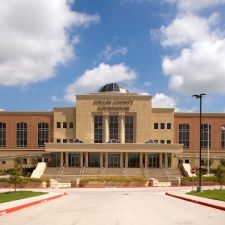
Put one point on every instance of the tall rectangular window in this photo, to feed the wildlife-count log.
(113, 127)
(64, 124)
(168, 125)
(156, 126)
(21, 134)
(43, 133)
(2, 135)
(223, 139)
(184, 135)
(58, 124)
(162, 125)
(206, 136)
(98, 129)
(129, 129)
(71, 125)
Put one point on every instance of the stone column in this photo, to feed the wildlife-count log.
(121, 160)
(122, 128)
(160, 160)
(61, 159)
(106, 160)
(146, 160)
(141, 160)
(106, 127)
(67, 160)
(81, 159)
(126, 160)
(101, 159)
(166, 160)
(86, 159)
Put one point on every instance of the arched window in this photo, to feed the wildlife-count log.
(2, 135)
(43, 133)
(184, 135)
(223, 136)
(206, 135)
(21, 134)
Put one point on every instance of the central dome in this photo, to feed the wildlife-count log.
(113, 87)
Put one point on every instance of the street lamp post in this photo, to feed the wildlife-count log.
(199, 188)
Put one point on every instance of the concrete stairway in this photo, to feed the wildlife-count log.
(39, 171)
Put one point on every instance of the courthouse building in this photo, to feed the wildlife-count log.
(111, 128)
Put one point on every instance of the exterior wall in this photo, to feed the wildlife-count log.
(64, 115)
(90, 105)
(163, 116)
(32, 120)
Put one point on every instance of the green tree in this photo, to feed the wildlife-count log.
(16, 173)
(220, 175)
(222, 161)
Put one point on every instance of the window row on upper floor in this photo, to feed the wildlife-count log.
(184, 136)
(162, 126)
(22, 134)
(64, 124)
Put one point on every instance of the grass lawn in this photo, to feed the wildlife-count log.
(213, 194)
(11, 196)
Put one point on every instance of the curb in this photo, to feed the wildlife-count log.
(13, 209)
(197, 201)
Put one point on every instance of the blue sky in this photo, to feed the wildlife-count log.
(169, 49)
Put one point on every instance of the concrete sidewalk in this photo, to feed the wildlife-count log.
(198, 200)
(9, 207)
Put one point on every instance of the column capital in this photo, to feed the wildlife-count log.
(121, 114)
(105, 114)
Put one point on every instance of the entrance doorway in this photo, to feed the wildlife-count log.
(133, 160)
(113, 160)
(74, 159)
(153, 160)
(93, 159)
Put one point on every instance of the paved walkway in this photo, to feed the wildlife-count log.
(9, 207)
(198, 200)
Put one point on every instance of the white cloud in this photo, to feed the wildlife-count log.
(195, 5)
(110, 52)
(1, 110)
(93, 79)
(35, 38)
(54, 98)
(187, 29)
(197, 64)
(161, 100)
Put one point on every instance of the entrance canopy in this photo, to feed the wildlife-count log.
(115, 147)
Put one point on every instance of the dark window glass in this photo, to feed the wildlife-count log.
(184, 135)
(168, 125)
(64, 124)
(24, 161)
(64, 140)
(129, 129)
(58, 140)
(3, 162)
(71, 124)
(206, 136)
(113, 127)
(58, 124)
(162, 141)
(2, 135)
(162, 126)
(156, 126)
(168, 141)
(98, 129)
(43, 134)
(223, 139)
(21, 134)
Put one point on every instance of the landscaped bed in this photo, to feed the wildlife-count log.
(212, 194)
(17, 195)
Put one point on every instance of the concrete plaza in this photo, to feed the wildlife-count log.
(116, 206)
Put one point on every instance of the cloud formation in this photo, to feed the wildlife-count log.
(161, 100)
(35, 38)
(109, 52)
(199, 43)
(93, 79)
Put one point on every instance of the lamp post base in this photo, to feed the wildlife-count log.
(199, 188)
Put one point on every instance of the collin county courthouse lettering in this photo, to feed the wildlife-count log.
(111, 132)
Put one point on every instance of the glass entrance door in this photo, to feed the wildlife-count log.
(94, 159)
(74, 159)
(114, 160)
(133, 160)
(153, 160)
